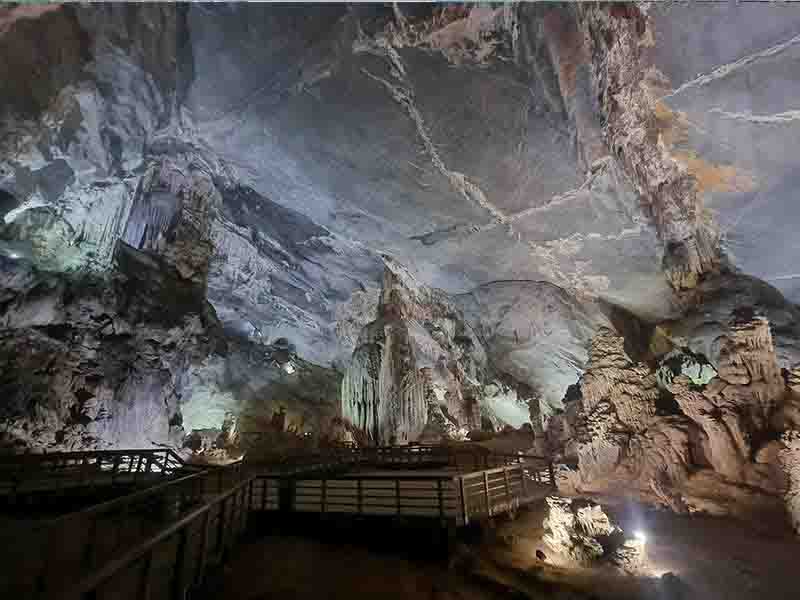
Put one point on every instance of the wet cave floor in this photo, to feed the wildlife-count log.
(713, 559)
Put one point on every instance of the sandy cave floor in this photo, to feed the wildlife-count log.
(715, 559)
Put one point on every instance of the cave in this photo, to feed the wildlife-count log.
(447, 300)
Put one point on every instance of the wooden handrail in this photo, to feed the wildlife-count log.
(128, 499)
(111, 568)
(50, 456)
(356, 476)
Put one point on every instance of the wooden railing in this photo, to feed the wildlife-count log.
(58, 470)
(461, 498)
(422, 495)
(176, 558)
(536, 469)
(493, 491)
(465, 458)
(57, 551)
(149, 459)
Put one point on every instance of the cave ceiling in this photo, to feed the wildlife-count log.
(494, 151)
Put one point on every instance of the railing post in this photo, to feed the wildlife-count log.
(87, 557)
(202, 556)
(180, 566)
(486, 491)
(552, 474)
(83, 469)
(505, 479)
(234, 519)
(242, 509)
(250, 489)
(441, 498)
(324, 496)
(397, 494)
(52, 539)
(463, 500)
(144, 585)
(360, 496)
(221, 525)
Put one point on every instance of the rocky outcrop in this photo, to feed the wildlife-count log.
(277, 400)
(536, 332)
(790, 462)
(98, 362)
(135, 355)
(687, 440)
(414, 373)
(603, 424)
(420, 372)
(735, 409)
(106, 357)
(580, 532)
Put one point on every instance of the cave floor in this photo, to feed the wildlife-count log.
(715, 559)
(301, 568)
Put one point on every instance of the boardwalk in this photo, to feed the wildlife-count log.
(38, 478)
(160, 541)
(437, 482)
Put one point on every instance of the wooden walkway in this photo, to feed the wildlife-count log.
(460, 498)
(34, 478)
(457, 484)
(159, 542)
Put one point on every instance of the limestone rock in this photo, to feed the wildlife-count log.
(582, 532)
(630, 556)
(536, 332)
(616, 401)
(689, 443)
(683, 362)
(790, 461)
(416, 368)
(87, 364)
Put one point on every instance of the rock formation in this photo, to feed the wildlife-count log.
(99, 361)
(790, 462)
(676, 435)
(581, 532)
(419, 372)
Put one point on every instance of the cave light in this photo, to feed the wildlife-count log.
(288, 367)
(640, 536)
